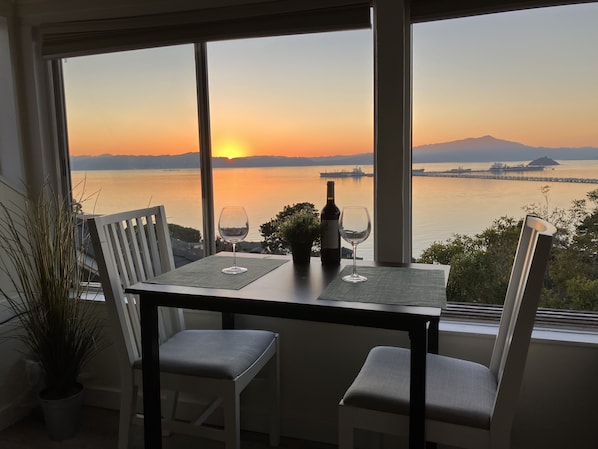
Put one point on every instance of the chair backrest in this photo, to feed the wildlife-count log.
(131, 247)
(519, 312)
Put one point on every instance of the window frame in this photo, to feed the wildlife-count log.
(11, 163)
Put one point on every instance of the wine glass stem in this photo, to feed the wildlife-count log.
(354, 259)
(234, 255)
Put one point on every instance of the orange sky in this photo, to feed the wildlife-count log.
(528, 77)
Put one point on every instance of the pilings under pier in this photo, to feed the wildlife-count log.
(488, 175)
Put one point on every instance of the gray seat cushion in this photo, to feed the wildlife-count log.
(219, 354)
(457, 391)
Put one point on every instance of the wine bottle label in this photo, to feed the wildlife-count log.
(330, 236)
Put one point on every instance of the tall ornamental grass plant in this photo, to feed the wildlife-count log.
(43, 247)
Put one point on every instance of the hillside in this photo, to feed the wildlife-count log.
(480, 149)
(191, 160)
(491, 149)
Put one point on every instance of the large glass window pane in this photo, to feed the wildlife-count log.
(133, 136)
(304, 103)
(503, 90)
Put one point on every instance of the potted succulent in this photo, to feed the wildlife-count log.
(300, 230)
(42, 249)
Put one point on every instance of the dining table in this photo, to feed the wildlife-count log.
(407, 297)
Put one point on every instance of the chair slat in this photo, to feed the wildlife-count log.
(123, 261)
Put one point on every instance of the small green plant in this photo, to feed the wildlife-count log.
(42, 245)
(302, 227)
(274, 243)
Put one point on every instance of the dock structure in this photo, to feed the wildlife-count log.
(488, 175)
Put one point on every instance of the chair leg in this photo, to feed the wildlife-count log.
(500, 439)
(232, 420)
(345, 430)
(274, 387)
(170, 404)
(128, 403)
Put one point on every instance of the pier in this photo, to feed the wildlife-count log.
(488, 175)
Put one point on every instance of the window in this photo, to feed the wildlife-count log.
(233, 87)
(125, 112)
(282, 110)
(306, 98)
(505, 89)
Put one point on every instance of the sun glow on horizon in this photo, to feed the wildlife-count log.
(523, 76)
(230, 149)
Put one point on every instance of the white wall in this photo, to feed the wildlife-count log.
(15, 395)
(557, 402)
(10, 146)
(15, 398)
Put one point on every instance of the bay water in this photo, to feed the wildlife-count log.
(441, 206)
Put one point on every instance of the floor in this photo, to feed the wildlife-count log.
(99, 429)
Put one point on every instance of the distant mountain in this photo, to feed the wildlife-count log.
(479, 149)
(191, 160)
(283, 161)
(491, 149)
(112, 162)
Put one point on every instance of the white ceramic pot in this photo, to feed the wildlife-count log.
(62, 415)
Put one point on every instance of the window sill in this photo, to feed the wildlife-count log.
(559, 335)
(483, 321)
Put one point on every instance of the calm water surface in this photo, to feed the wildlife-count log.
(441, 206)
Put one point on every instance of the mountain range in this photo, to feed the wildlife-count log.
(478, 149)
(491, 149)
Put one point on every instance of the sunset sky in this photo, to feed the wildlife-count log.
(528, 76)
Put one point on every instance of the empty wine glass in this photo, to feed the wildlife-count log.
(233, 226)
(355, 227)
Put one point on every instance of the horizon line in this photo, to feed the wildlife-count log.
(336, 155)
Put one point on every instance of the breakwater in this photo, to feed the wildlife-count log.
(488, 175)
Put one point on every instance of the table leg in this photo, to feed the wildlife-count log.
(152, 422)
(417, 399)
(433, 337)
(228, 320)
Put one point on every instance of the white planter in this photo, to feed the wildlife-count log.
(62, 415)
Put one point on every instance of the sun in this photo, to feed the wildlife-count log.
(230, 150)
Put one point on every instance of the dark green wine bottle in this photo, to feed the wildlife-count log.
(330, 239)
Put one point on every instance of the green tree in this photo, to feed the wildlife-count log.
(481, 265)
(273, 242)
(183, 233)
(574, 265)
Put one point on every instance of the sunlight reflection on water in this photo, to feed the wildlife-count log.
(441, 206)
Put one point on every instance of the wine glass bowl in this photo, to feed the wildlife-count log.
(355, 227)
(233, 226)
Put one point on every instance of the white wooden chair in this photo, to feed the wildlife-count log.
(467, 404)
(215, 364)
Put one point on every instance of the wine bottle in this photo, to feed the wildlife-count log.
(329, 235)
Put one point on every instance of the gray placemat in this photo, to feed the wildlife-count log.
(391, 285)
(207, 272)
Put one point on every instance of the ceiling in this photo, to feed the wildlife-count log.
(47, 11)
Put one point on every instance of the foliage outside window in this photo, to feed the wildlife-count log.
(274, 242)
(481, 264)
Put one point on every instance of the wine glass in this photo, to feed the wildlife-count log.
(355, 227)
(233, 226)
